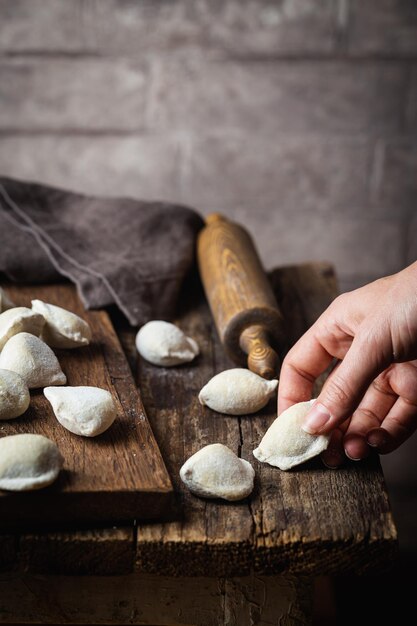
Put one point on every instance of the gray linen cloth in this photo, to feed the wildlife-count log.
(131, 253)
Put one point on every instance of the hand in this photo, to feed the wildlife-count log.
(370, 398)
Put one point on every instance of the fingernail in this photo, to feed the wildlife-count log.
(351, 457)
(316, 419)
(332, 459)
(377, 438)
(329, 465)
(356, 448)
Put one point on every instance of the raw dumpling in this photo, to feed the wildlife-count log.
(28, 462)
(14, 395)
(5, 302)
(87, 411)
(163, 343)
(285, 444)
(30, 357)
(63, 329)
(237, 391)
(19, 320)
(216, 472)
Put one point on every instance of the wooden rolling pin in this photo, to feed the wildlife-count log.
(240, 297)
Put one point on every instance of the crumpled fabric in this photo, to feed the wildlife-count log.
(132, 253)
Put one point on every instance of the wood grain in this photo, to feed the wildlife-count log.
(117, 476)
(96, 552)
(8, 552)
(241, 300)
(154, 600)
(310, 520)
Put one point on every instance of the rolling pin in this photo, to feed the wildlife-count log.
(241, 300)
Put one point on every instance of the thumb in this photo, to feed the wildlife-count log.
(346, 385)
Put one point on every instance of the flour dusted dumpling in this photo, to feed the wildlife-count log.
(215, 471)
(87, 411)
(30, 357)
(28, 462)
(237, 392)
(14, 395)
(162, 343)
(5, 302)
(285, 444)
(63, 329)
(20, 319)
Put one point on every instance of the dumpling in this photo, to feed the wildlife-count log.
(63, 329)
(237, 391)
(5, 302)
(14, 395)
(28, 462)
(285, 444)
(30, 357)
(87, 411)
(162, 343)
(20, 319)
(215, 471)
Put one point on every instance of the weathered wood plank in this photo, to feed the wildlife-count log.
(156, 600)
(216, 539)
(8, 552)
(109, 551)
(117, 476)
(310, 520)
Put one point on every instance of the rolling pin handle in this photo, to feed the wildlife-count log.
(211, 218)
(262, 359)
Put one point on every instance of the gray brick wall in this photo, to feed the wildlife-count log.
(296, 117)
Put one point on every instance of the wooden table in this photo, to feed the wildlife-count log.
(250, 562)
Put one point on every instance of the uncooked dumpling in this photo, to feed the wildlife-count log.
(30, 357)
(14, 395)
(63, 329)
(5, 302)
(20, 319)
(87, 411)
(28, 462)
(237, 391)
(216, 472)
(162, 343)
(285, 444)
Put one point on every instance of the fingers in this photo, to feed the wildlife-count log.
(300, 368)
(402, 379)
(355, 445)
(381, 440)
(330, 337)
(376, 403)
(350, 438)
(383, 420)
(400, 420)
(399, 425)
(368, 330)
(334, 456)
(346, 386)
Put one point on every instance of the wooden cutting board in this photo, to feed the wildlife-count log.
(117, 476)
